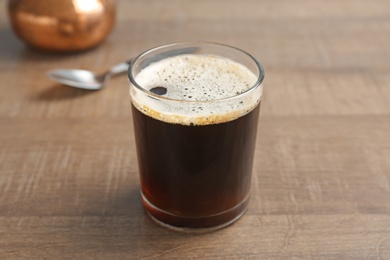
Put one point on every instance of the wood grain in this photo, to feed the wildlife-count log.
(321, 179)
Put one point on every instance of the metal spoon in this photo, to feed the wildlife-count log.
(86, 79)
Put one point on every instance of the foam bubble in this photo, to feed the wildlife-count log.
(198, 78)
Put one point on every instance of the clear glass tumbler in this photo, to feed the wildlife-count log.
(195, 109)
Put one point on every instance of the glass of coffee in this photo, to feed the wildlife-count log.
(195, 109)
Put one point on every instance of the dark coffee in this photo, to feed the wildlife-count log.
(195, 121)
(195, 176)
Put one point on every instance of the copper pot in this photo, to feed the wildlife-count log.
(62, 25)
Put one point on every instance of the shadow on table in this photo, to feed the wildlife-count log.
(13, 49)
(61, 92)
(119, 227)
(10, 45)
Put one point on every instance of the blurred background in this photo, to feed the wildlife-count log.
(314, 37)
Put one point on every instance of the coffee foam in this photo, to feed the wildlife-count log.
(199, 90)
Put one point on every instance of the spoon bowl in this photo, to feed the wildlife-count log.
(79, 78)
(86, 79)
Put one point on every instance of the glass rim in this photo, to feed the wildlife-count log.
(259, 81)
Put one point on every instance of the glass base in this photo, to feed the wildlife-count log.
(195, 224)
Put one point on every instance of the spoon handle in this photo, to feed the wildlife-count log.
(120, 68)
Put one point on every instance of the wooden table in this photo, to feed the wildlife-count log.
(321, 184)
